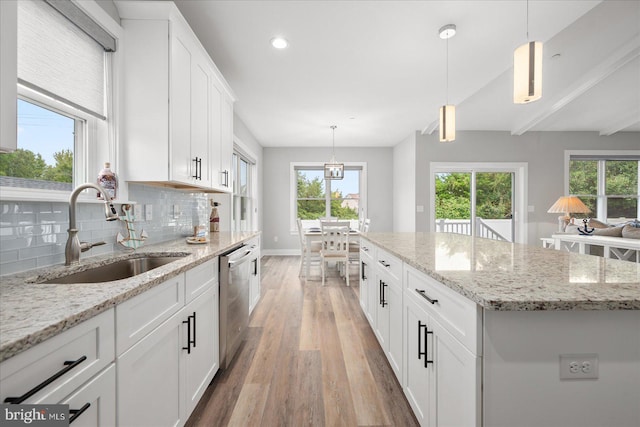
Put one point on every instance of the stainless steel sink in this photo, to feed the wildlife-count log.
(117, 270)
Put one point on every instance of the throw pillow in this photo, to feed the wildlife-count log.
(609, 231)
(630, 232)
(597, 224)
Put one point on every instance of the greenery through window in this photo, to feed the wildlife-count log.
(46, 142)
(608, 186)
(493, 195)
(317, 197)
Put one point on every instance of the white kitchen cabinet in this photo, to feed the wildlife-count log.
(226, 147)
(175, 101)
(95, 402)
(442, 375)
(388, 324)
(202, 358)
(9, 75)
(150, 387)
(171, 363)
(75, 356)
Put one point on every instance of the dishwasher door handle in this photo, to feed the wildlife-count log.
(243, 259)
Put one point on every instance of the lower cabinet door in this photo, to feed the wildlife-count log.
(456, 380)
(95, 402)
(202, 359)
(372, 297)
(150, 387)
(395, 349)
(364, 285)
(416, 370)
(382, 312)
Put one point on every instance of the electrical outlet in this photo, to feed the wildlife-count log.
(578, 366)
(137, 212)
(148, 212)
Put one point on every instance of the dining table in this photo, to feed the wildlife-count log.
(314, 234)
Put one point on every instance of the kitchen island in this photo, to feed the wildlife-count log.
(501, 334)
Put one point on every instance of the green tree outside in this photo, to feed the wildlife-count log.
(63, 170)
(27, 164)
(312, 200)
(493, 195)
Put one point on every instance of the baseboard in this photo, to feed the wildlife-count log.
(280, 252)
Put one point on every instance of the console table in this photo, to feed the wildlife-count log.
(613, 247)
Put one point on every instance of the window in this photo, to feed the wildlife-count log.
(314, 197)
(64, 95)
(243, 218)
(607, 183)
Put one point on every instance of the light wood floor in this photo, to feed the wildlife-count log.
(310, 359)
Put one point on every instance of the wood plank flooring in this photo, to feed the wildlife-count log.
(310, 359)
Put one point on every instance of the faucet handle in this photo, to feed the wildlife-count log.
(85, 246)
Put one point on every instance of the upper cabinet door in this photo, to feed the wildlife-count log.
(180, 108)
(200, 146)
(226, 148)
(9, 75)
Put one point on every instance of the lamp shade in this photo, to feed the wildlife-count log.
(527, 73)
(447, 123)
(569, 204)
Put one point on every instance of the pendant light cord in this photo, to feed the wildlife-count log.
(527, 20)
(333, 145)
(447, 78)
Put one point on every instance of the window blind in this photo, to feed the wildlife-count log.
(58, 59)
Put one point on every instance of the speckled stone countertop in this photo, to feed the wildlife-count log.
(517, 277)
(31, 312)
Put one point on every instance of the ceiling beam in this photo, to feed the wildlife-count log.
(624, 122)
(618, 59)
(431, 127)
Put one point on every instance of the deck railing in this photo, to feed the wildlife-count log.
(463, 226)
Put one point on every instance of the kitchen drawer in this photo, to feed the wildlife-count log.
(100, 396)
(92, 340)
(460, 316)
(201, 278)
(368, 249)
(139, 315)
(389, 263)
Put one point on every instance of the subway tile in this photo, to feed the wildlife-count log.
(17, 267)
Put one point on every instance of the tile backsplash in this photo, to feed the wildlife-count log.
(34, 234)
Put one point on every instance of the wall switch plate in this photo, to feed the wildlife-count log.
(137, 212)
(578, 366)
(419, 208)
(148, 212)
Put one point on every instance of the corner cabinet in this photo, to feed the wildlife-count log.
(178, 109)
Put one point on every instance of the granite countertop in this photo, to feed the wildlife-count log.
(31, 312)
(516, 277)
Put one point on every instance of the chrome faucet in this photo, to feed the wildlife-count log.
(74, 246)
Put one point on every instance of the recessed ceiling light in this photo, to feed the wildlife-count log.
(352, 118)
(279, 42)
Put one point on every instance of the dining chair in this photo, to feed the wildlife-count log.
(364, 227)
(309, 253)
(335, 245)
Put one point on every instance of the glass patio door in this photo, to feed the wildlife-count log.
(476, 203)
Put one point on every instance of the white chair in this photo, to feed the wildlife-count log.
(335, 245)
(364, 226)
(308, 253)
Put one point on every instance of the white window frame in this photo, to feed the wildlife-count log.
(98, 140)
(521, 173)
(601, 197)
(242, 151)
(293, 188)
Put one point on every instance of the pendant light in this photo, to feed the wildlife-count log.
(333, 169)
(527, 70)
(447, 111)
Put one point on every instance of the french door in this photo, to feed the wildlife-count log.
(481, 200)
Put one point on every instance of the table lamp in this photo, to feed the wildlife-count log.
(567, 205)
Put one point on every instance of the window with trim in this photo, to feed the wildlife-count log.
(63, 96)
(607, 183)
(314, 197)
(242, 168)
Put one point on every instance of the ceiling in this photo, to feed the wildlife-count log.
(377, 69)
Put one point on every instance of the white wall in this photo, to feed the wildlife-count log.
(404, 185)
(276, 175)
(543, 152)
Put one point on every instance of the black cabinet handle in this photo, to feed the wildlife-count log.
(427, 332)
(226, 178)
(196, 169)
(194, 329)
(188, 347)
(420, 352)
(75, 413)
(423, 295)
(384, 263)
(383, 297)
(255, 267)
(363, 275)
(69, 365)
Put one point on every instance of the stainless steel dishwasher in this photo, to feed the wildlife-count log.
(235, 275)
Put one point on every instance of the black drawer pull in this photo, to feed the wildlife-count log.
(427, 332)
(363, 276)
(194, 329)
(69, 366)
(384, 263)
(383, 297)
(423, 295)
(420, 352)
(188, 347)
(75, 413)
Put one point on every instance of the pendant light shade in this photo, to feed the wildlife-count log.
(447, 111)
(447, 123)
(333, 169)
(527, 73)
